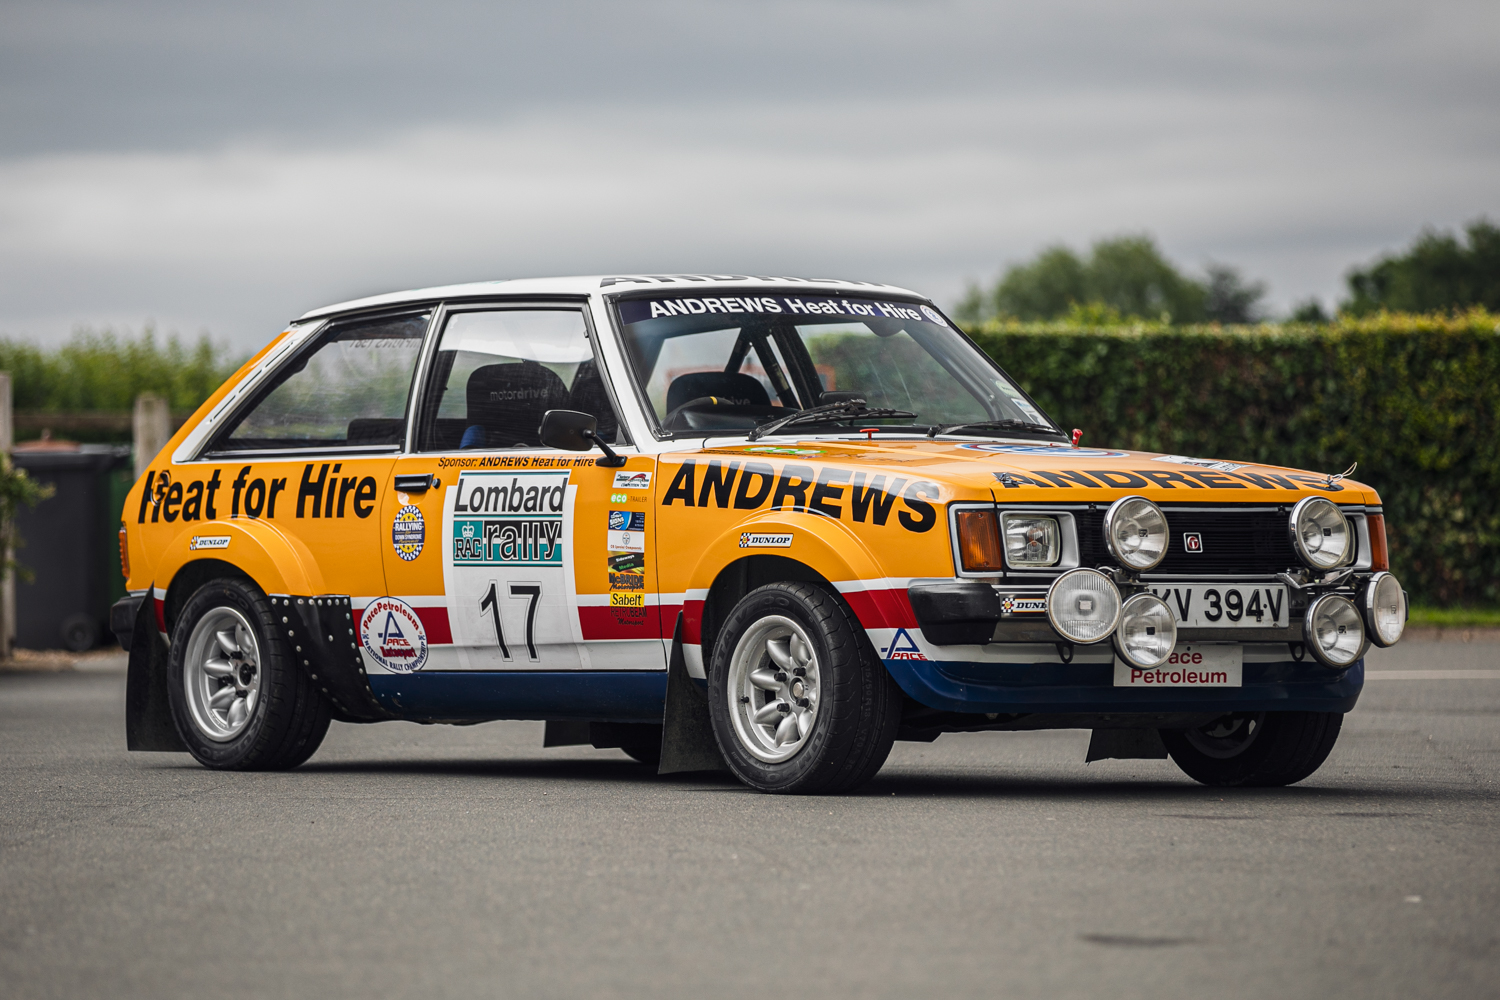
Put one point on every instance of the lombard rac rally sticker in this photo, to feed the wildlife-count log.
(393, 635)
(933, 316)
(408, 533)
(1041, 449)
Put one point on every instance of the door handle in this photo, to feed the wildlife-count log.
(417, 484)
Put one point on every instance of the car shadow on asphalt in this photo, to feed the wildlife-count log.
(935, 784)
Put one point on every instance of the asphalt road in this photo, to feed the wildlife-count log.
(435, 861)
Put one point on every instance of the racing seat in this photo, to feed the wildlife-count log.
(588, 395)
(736, 388)
(506, 403)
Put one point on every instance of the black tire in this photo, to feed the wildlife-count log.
(858, 707)
(288, 717)
(1258, 749)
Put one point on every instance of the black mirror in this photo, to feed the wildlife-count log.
(568, 430)
(574, 431)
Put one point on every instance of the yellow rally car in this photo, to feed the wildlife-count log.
(760, 523)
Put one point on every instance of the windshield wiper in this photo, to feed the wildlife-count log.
(847, 409)
(1007, 424)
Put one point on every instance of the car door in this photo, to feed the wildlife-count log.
(309, 458)
(499, 556)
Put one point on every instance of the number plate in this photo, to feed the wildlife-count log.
(1217, 605)
(1192, 664)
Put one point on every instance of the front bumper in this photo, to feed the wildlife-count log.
(1038, 680)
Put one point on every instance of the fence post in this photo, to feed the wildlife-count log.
(152, 425)
(8, 581)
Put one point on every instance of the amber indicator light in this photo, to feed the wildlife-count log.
(979, 541)
(1380, 557)
(124, 552)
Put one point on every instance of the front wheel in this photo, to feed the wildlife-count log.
(1264, 749)
(798, 700)
(238, 697)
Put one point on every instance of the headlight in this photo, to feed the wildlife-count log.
(1030, 540)
(1335, 633)
(1147, 632)
(1385, 609)
(1083, 605)
(1320, 533)
(1135, 530)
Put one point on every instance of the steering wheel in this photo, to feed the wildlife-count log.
(702, 402)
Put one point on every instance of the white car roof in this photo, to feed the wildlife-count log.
(608, 283)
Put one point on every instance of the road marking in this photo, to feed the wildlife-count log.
(1432, 675)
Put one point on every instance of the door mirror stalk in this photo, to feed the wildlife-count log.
(571, 430)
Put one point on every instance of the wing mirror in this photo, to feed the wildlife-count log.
(574, 431)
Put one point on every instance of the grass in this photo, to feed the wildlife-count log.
(1455, 617)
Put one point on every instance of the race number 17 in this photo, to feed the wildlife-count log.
(529, 592)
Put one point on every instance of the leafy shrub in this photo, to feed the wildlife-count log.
(1415, 400)
(98, 370)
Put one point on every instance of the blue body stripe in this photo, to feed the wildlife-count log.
(1287, 686)
(593, 695)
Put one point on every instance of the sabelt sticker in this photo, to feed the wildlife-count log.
(393, 636)
(208, 542)
(618, 600)
(1061, 450)
(762, 540)
(408, 532)
(632, 481)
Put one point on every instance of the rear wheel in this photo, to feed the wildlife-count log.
(1265, 749)
(798, 700)
(239, 700)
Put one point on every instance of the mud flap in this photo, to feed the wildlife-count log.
(148, 714)
(1125, 744)
(687, 734)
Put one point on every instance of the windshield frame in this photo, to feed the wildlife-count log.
(648, 411)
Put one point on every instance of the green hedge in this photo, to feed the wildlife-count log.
(1415, 400)
(102, 371)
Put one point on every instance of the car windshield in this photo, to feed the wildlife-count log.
(728, 363)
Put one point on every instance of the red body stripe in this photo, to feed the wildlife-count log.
(435, 623)
(598, 622)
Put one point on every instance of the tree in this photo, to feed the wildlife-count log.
(1229, 299)
(1438, 274)
(1126, 275)
(1045, 288)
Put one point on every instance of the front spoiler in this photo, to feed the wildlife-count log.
(1064, 688)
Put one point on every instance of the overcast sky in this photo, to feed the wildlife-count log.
(223, 167)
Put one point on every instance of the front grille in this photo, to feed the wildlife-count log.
(1250, 542)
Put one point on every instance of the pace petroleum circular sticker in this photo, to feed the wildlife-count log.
(1041, 449)
(393, 635)
(408, 532)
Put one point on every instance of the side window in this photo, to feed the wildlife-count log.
(496, 372)
(348, 390)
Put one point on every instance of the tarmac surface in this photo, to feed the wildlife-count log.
(434, 861)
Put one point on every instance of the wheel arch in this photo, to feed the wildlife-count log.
(255, 551)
